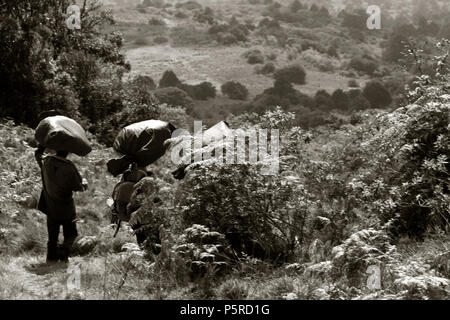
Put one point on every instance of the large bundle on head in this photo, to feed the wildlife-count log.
(142, 143)
(62, 134)
(214, 137)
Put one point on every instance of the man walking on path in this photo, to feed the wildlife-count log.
(60, 178)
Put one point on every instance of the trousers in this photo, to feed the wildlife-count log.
(55, 252)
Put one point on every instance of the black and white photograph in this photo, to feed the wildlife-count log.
(231, 156)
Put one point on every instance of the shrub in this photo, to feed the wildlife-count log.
(201, 91)
(359, 103)
(169, 79)
(320, 61)
(226, 38)
(356, 20)
(268, 68)
(395, 48)
(188, 5)
(295, 6)
(160, 40)
(140, 88)
(181, 15)
(254, 56)
(353, 83)
(364, 65)
(206, 16)
(153, 3)
(174, 97)
(239, 213)
(324, 100)
(333, 51)
(377, 94)
(272, 56)
(293, 74)
(141, 41)
(234, 90)
(204, 91)
(156, 22)
(217, 28)
(340, 100)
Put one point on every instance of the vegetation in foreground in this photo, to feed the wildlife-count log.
(365, 192)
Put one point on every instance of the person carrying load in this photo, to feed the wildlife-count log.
(141, 144)
(60, 178)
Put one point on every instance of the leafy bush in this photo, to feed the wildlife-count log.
(293, 74)
(206, 16)
(45, 63)
(268, 68)
(324, 100)
(254, 56)
(152, 3)
(234, 90)
(243, 216)
(188, 5)
(160, 40)
(226, 38)
(322, 62)
(181, 15)
(169, 79)
(174, 97)
(359, 102)
(353, 83)
(340, 100)
(202, 91)
(202, 250)
(156, 22)
(356, 254)
(364, 65)
(356, 20)
(377, 94)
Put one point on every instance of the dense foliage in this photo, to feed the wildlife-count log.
(45, 65)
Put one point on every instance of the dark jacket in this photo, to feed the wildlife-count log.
(60, 178)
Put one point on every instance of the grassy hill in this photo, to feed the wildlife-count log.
(118, 269)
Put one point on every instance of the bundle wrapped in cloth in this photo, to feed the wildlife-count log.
(63, 134)
(142, 143)
(210, 140)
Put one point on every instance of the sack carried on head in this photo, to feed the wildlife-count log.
(63, 134)
(142, 143)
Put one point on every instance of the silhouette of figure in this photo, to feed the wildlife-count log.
(60, 178)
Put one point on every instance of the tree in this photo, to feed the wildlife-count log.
(324, 100)
(363, 64)
(293, 74)
(395, 47)
(356, 20)
(46, 64)
(174, 97)
(377, 94)
(234, 90)
(169, 79)
(295, 6)
(340, 100)
(314, 8)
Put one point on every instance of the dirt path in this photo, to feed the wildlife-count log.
(28, 278)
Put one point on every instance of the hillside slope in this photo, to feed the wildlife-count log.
(118, 269)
